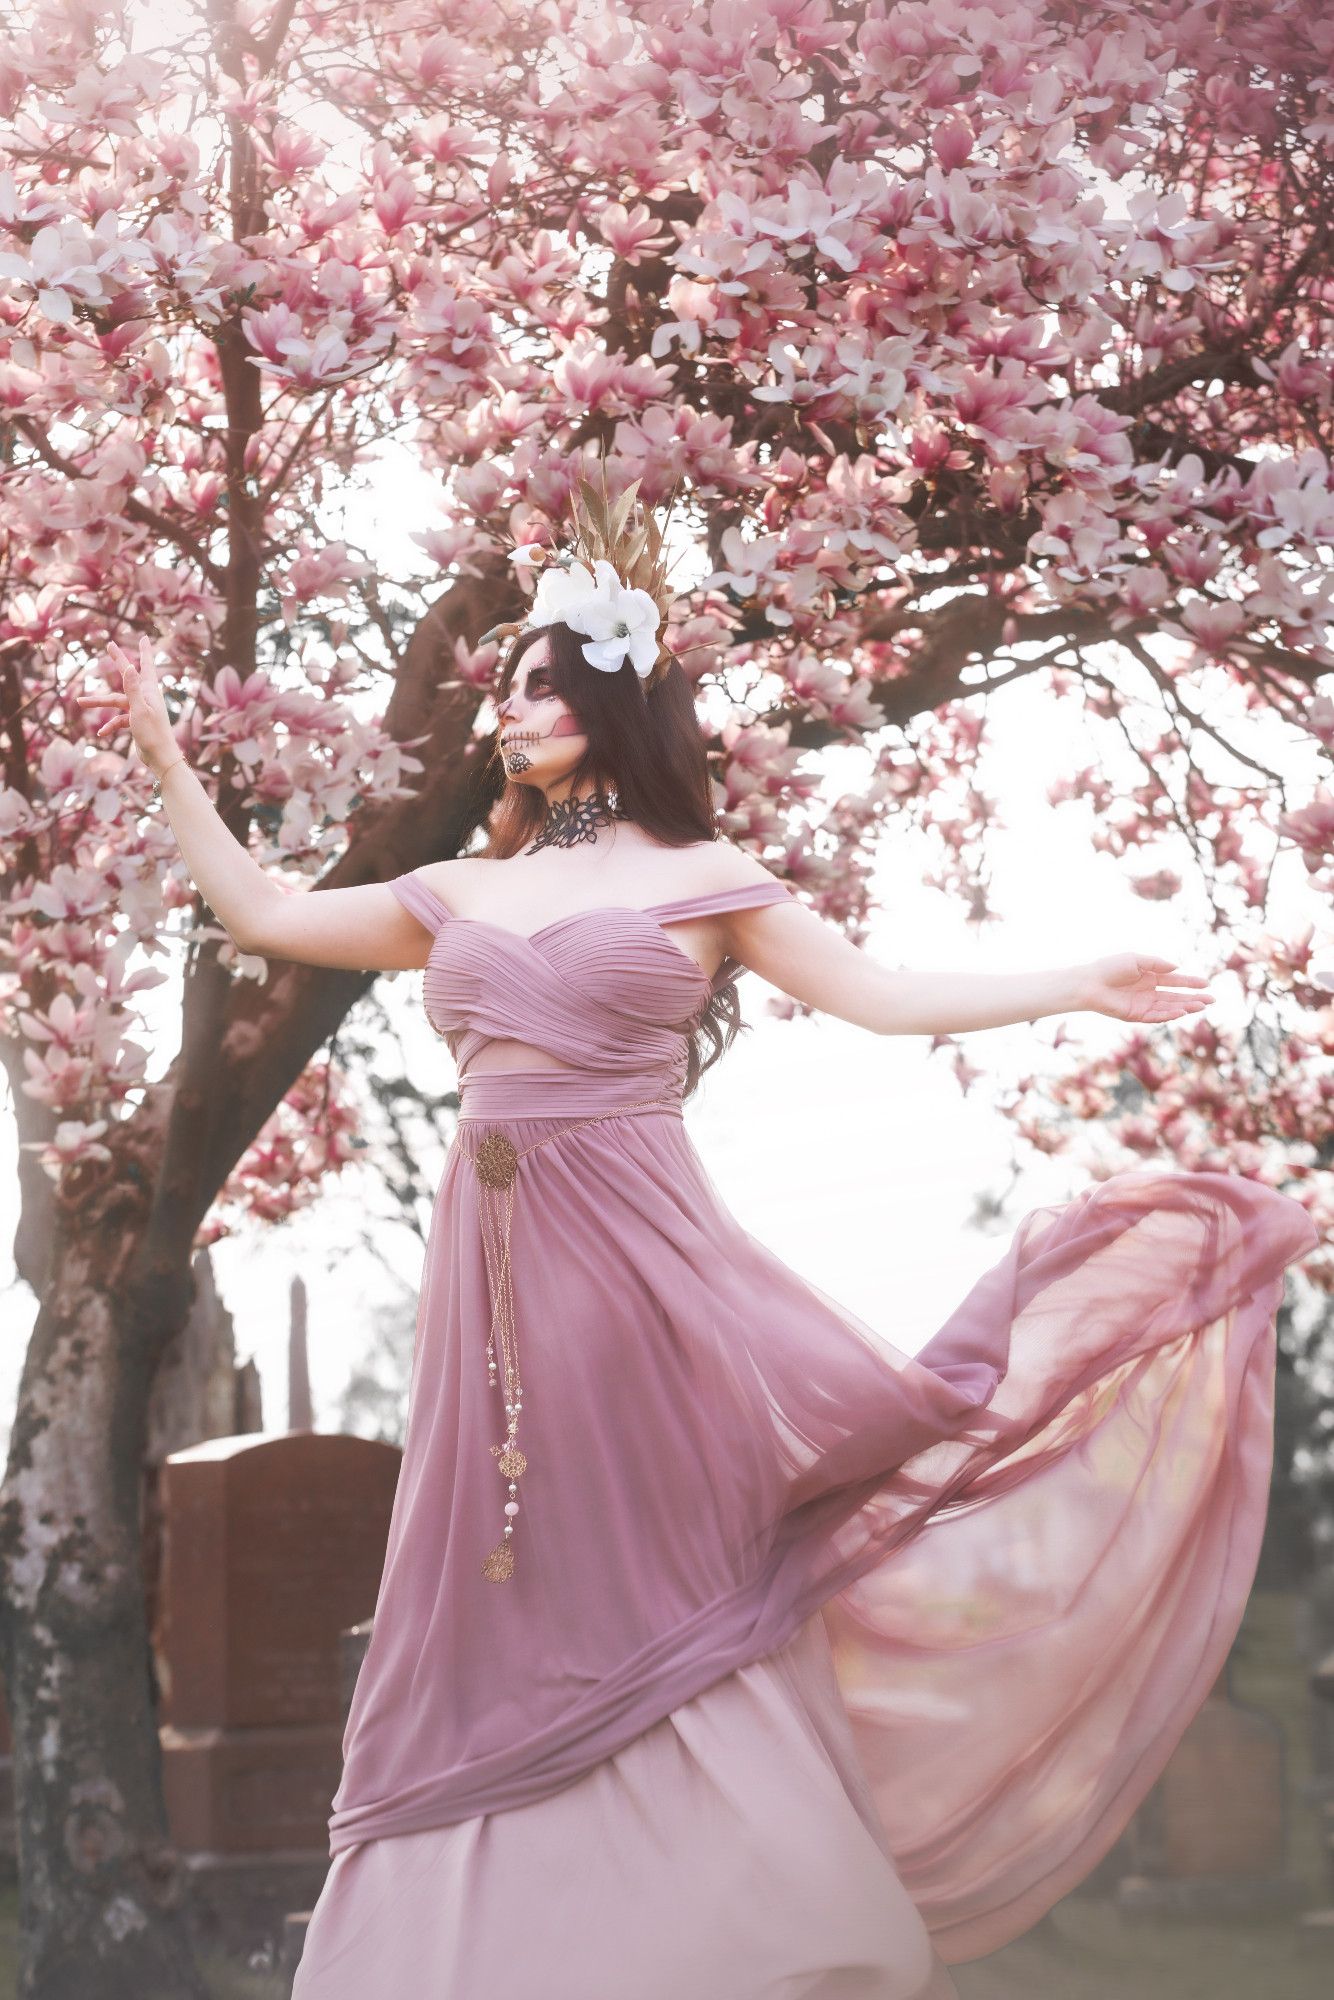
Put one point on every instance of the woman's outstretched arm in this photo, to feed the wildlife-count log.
(813, 962)
(362, 929)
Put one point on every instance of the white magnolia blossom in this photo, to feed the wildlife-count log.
(620, 623)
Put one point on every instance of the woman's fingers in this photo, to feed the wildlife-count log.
(113, 703)
(112, 706)
(1174, 976)
(110, 696)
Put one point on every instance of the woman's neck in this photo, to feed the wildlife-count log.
(573, 821)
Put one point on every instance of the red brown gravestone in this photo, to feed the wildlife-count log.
(1315, 1638)
(272, 1545)
(1211, 1834)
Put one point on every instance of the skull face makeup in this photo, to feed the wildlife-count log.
(541, 738)
(542, 744)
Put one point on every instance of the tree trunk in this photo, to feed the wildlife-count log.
(102, 1890)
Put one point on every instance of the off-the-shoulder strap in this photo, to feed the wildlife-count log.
(718, 901)
(424, 904)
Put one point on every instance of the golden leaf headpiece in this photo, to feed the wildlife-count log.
(610, 585)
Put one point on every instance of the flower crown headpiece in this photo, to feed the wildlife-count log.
(610, 586)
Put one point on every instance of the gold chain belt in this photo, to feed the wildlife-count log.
(496, 1163)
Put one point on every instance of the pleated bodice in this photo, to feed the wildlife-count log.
(607, 991)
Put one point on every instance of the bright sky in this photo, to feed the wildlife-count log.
(855, 1157)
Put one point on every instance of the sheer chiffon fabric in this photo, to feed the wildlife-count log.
(926, 1625)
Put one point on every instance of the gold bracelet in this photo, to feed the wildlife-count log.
(157, 782)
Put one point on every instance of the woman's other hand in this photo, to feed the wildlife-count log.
(1130, 986)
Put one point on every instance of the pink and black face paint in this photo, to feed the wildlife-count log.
(517, 758)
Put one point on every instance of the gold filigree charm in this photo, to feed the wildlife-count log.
(510, 1460)
(499, 1565)
(496, 1161)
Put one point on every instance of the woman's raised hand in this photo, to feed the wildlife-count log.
(137, 700)
(1133, 987)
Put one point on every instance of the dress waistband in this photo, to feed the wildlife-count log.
(548, 1093)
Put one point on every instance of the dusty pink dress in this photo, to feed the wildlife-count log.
(821, 1666)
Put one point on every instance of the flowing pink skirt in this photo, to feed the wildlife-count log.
(823, 1666)
(733, 1851)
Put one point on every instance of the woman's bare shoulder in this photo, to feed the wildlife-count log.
(452, 879)
(721, 864)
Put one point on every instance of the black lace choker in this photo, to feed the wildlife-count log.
(570, 821)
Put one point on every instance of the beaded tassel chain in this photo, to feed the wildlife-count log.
(496, 1163)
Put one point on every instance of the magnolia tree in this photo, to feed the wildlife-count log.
(979, 342)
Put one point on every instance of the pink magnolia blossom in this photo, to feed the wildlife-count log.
(67, 264)
(630, 231)
(1213, 624)
(1312, 827)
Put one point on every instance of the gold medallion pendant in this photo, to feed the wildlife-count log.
(511, 1460)
(496, 1161)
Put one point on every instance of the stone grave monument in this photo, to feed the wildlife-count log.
(272, 1546)
(1316, 1640)
(1210, 1838)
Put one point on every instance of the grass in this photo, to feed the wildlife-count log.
(1085, 1949)
(229, 1981)
(226, 1979)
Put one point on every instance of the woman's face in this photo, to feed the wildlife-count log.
(541, 738)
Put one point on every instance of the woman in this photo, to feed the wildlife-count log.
(722, 1650)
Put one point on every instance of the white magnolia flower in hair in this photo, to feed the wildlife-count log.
(561, 588)
(620, 624)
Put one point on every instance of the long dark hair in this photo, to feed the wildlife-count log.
(646, 747)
